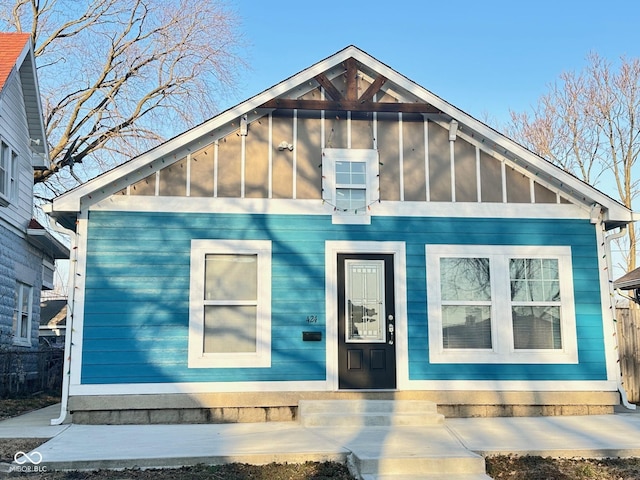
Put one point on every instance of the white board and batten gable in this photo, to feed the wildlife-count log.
(433, 159)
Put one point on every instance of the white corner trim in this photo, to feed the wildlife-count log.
(77, 309)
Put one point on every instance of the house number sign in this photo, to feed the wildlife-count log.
(312, 319)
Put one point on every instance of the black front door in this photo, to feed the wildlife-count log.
(366, 322)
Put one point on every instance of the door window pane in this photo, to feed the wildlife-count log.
(365, 300)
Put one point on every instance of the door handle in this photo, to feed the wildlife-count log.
(391, 329)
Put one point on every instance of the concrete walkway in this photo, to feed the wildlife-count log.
(122, 446)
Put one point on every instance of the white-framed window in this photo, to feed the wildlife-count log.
(22, 313)
(500, 304)
(230, 304)
(8, 174)
(350, 182)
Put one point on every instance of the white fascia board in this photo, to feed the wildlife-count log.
(43, 148)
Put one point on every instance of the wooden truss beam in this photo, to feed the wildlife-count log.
(352, 77)
(373, 89)
(350, 101)
(329, 88)
(349, 105)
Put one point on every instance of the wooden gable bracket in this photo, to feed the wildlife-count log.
(351, 102)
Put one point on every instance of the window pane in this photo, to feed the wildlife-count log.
(231, 277)
(230, 329)
(26, 299)
(24, 325)
(350, 198)
(351, 173)
(466, 327)
(536, 328)
(465, 279)
(534, 280)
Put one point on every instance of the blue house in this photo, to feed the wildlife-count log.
(344, 234)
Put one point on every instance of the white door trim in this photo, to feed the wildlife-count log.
(398, 250)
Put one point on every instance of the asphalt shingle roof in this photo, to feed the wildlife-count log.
(11, 46)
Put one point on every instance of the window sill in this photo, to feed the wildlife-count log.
(483, 356)
(353, 219)
(22, 343)
(231, 361)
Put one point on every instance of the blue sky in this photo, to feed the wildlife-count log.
(484, 57)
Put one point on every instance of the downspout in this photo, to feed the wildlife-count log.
(608, 240)
(71, 283)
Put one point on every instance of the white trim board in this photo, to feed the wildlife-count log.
(316, 207)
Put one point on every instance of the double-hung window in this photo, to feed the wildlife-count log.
(494, 304)
(22, 312)
(350, 182)
(8, 174)
(230, 304)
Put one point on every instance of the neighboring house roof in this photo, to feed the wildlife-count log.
(629, 281)
(17, 58)
(283, 95)
(53, 313)
(44, 240)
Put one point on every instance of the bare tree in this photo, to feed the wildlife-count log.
(588, 123)
(118, 76)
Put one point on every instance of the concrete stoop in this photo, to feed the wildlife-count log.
(393, 440)
(368, 413)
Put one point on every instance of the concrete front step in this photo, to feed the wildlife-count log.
(426, 465)
(437, 476)
(374, 413)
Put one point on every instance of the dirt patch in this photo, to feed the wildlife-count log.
(10, 446)
(538, 468)
(232, 471)
(12, 407)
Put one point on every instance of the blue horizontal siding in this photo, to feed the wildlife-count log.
(137, 292)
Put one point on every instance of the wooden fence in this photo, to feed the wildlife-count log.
(628, 326)
(26, 372)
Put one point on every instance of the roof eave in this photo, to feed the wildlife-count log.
(47, 243)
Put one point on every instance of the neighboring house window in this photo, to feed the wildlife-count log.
(230, 304)
(494, 304)
(8, 174)
(350, 181)
(23, 300)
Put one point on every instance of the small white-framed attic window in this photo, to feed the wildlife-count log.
(350, 183)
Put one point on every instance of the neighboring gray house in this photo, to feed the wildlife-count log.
(27, 250)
